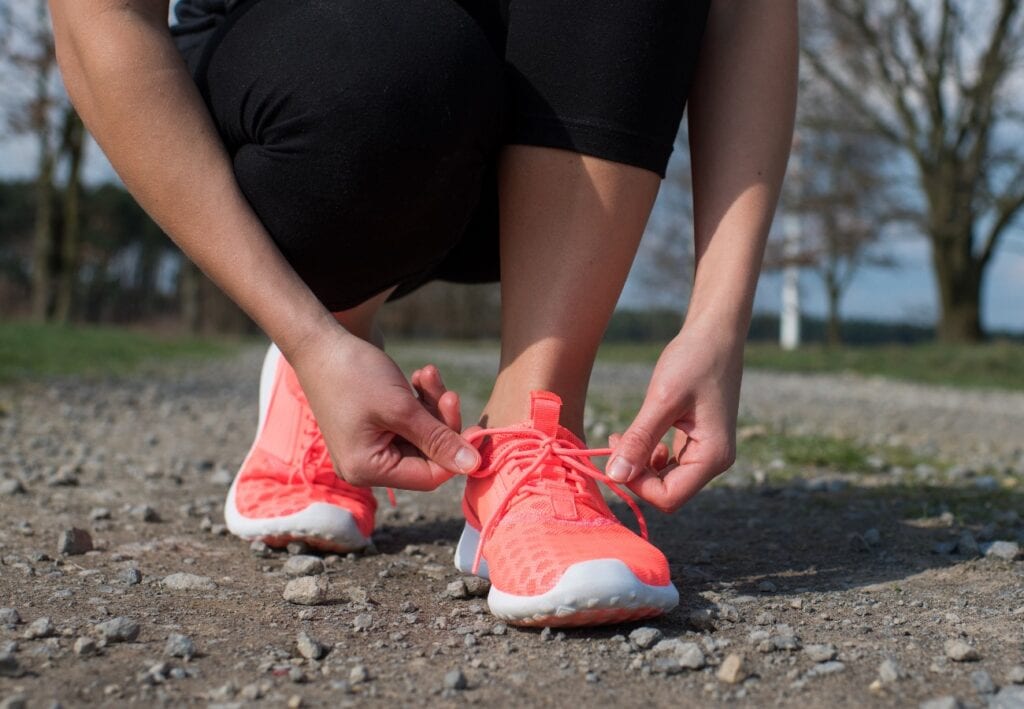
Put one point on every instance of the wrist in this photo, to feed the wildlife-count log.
(313, 335)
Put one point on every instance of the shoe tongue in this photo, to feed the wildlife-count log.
(545, 407)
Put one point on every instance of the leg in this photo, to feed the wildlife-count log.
(570, 227)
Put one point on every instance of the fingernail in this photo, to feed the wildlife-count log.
(465, 460)
(620, 469)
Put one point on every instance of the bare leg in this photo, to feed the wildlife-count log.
(570, 227)
(360, 320)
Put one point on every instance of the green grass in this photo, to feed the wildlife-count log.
(31, 351)
(811, 451)
(992, 365)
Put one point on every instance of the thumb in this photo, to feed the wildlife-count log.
(634, 448)
(438, 442)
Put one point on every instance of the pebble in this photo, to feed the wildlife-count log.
(967, 545)
(98, 513)
(689, 655)
(947, 702)
(1009, 551)
(501, 629)
(733, 669)
(118, 630)
(645, 637)
(9, 665)
(85, 647)
(74, 541)
(9, 617)
(307, 590)
(1007, 698)
(260, 549)
(17, 701)
(767, 587)
(889, 671)
(146, 513)
(455, 680)
(701, 620)
(179, 645)
(821, 652)
(477, 587)
(826, 668)
(363, 621)
(130, 576)
(982, 682)
(872, 537)
(298, 548)
(357, 594)
(960, 651)
(457, 589)
(11, 487)
(40, 628)
(308, 647)
(182, 581)
(1015, 675)
(359, 674)
(303, 565)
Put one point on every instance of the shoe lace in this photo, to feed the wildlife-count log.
(316, 460)
(529, 451)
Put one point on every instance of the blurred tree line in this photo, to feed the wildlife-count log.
(909, 124)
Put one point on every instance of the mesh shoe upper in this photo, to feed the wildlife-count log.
(540, 510)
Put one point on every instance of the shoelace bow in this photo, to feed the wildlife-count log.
(529, 451)
(317, 458)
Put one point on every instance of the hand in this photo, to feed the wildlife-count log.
(377, 431)
(695, 389)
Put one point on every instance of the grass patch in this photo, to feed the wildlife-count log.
(29, 350)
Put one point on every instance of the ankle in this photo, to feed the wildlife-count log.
(508, 407)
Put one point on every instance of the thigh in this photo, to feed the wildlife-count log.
(604, 77)
(360, 131)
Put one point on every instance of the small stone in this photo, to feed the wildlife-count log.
(1007, 698)
(733, 669)
(308, 647)
(359, 674)
(40, 628)
(74, 541)
(967, 545)
(547, 635)
(182, 581)
(457, 589)
(690, 656)
(98, 513)
(826, 668)
(477, 587)
(294, 702)
(9, 665)
(298, 548)
(499, 629)
(1015, 675)
(146, 513)
(118, 630)
(9, 617)
(767, 587)
(667, 666)
(307, 590)
(787, 642)
(942, 703)
(872, 537)
(821, 652)
(296, 675)
(1009, 551)
(645, 637)
(303, 565)
(982, 682)
(85, 647)
(11, 487)
(130, 576)
(701, 620)
(455, 680)
(357, 594)
(16, 701)
(959, 651)
(259, 549)
(363, 621)
(889, 671)
(179, 645)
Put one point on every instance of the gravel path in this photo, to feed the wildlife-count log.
(864, 593)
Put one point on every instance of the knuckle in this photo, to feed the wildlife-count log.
(437, 441)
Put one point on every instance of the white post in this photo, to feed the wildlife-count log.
(789, 319)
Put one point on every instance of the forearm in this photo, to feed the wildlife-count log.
(134, 93)
(741, 125)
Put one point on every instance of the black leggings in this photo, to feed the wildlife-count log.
(364, 133)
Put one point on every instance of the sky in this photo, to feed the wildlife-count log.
(903, 294)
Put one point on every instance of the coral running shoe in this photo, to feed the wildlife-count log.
(539, 529)
(286, 489)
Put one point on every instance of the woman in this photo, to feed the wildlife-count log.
(317, 158)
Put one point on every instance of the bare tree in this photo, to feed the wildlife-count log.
(934, 80)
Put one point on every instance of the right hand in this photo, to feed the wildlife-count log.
(377, 431)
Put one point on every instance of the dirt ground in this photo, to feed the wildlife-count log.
(873, 562)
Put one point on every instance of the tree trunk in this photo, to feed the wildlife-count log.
(188, 290)
(67, 278)
(43, 241)
(833, 330)
(959, 278)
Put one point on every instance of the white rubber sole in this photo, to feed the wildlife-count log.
(589, 593)
(320, 525)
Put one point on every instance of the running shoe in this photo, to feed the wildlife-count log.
(286, 489)
(538, 527)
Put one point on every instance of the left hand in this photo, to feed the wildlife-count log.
(695, 389)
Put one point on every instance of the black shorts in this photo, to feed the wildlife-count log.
(365, 133)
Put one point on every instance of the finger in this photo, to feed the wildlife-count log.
(402, 466)
(637, 444)
(659, 459)
(429, 387)
(672, 488)
(438, 441)
(450, 409)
